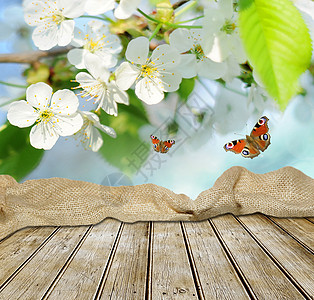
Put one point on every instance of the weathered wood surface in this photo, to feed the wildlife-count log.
(249, 257)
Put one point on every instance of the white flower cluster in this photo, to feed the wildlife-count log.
(213, 51)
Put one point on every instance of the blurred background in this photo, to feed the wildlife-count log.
(201, 117)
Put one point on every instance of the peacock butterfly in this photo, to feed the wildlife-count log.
(161, 146)
(257, 141)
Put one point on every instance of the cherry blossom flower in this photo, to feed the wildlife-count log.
(96, 86)
(152, 76)
(194, 48)
(89, 134)
(53, 20)
(98, 41)
(54, 115)
(220, 24)
(124, 10)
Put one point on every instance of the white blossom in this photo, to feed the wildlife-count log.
(53, 21)
(54, 115)
(89, 134)
(193, 46)
(96, 86)
(152, 75)
(98, 41)
(220, 24)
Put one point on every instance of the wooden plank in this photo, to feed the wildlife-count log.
(17, 249)
(126, 276)
(217, 276)
(297, 262)
(81, 277)
(300, 228)
(34, 279)
(263, 277)
(171, 276)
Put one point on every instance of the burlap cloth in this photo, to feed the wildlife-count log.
(286, 192)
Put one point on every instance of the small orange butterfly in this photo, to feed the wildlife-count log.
(161, 146)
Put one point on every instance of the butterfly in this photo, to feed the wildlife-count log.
(257, 141)
(161, 146)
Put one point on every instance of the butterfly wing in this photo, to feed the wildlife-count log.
(166, 145)
(242, 146)
(260, 134)
(156, 143)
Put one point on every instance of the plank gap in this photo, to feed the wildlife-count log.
(306, 247)
(148, 292)
(68, 261)
(233, 262)
(9, 279)
(197, 282)
(311, 220)
(108, 264)
(276, 262)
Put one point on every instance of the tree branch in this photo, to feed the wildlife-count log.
(32, 56)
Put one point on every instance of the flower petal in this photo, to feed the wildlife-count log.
(38, 95)
(126, 74)
(187, 66)
(75, 57)
(22, 114)
(96, 67)
(170, 80)
(45, 37)
(71, 9)
(67, 125)
(106, 129)
(210, 69)
(148, 91)
(107, 103)
(64, 103)
(181, 39)
(126, 8)
(221, 48)
(137, 50)
(65, 32)
(165, 56)
(96, 7)
(78, 39)
(34, 11)
(43, 136)
(118, 95)
(95, 140)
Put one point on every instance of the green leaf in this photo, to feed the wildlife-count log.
(186, 88)
(127, 152)
(278, 45)
(17, 156)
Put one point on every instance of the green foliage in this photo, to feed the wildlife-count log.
(186, 88)
(17, 156)
(278, 45)
(127, 152)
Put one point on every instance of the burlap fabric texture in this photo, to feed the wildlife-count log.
(286, 192)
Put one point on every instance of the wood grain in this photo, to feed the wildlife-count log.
(264, 278)
(34, 279)
(296, 261)
(81, 277)
(171, 276)
(217, 276)
(17, 249)
(301, 229)
(126, 277)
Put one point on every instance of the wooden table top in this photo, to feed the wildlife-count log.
(249, 257)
